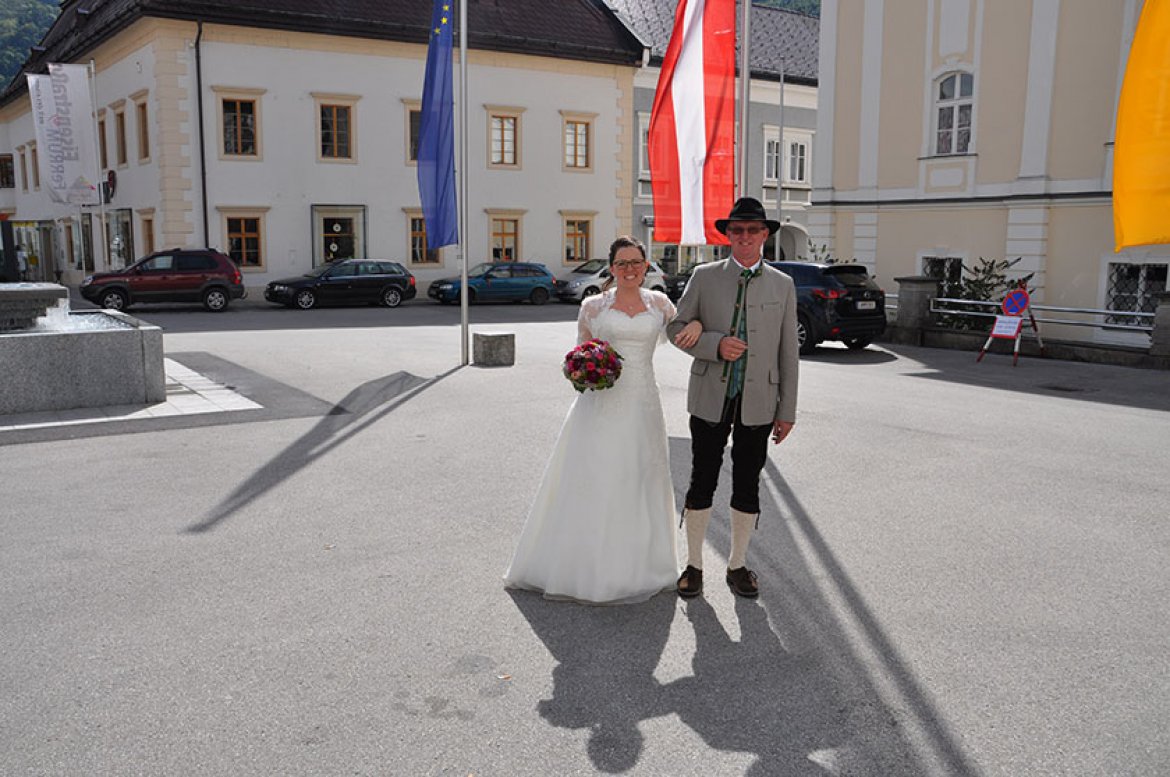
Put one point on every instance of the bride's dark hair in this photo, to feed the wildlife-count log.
(625, 241)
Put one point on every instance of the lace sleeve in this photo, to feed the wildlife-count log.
(591, 308)
(657, 301)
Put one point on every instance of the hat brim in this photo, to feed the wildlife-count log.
(773, 226)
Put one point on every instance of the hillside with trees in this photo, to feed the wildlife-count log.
(22, 25)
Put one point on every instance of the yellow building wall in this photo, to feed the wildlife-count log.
(1078, 236)
(1001, 90)
(900, 135)
(1087, 55)
(967, 231)
(847, 102)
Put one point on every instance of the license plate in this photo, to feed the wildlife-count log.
(866, 304)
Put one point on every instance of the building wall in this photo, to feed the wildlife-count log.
(1035, 182)
(286, 71)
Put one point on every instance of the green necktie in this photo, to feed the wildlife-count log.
(733, 371)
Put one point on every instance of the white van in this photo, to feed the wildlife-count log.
(588, 279)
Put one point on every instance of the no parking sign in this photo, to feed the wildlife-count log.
(1010, 326)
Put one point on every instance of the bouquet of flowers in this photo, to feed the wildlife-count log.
(593, 365)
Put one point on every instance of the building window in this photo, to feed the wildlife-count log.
(35, 164)
(772, 159)
(243, 233)
(413, 123)
(578, 239)
(239, 127)
(140, 116)
(578, 138)
(954, 101)
(103, 157)
(7, 172)
(1132, 287)
(120, 137)
(505, 234)
(419, 252)
(797, 162)
(336, 127)
(948, 269)
(23, 171)
(644, 187)
(504, 137)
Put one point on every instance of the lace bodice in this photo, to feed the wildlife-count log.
(658, 307)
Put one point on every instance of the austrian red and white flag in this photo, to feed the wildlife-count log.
(692, 125)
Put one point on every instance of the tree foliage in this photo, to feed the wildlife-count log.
(23, 23)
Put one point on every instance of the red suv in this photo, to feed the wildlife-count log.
(177, 275)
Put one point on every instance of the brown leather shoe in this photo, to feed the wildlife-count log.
(690, 583)
(743, 582)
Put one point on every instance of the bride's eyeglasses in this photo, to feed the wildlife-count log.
(633, 264)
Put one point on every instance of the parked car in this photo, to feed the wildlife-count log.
(588, 279)
(835, 302)
(677, 282)
(347, 282)
(176, 275)
(498, 281)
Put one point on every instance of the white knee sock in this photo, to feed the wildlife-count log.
(742, 525)
(696, 521)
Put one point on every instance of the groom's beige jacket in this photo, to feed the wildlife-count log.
(773, 354)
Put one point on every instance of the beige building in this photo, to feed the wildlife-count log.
(951, 131)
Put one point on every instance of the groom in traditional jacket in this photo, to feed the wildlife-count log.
(743, 384)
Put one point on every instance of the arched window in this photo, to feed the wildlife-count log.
(954, 103)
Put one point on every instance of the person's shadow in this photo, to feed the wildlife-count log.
(604, 678)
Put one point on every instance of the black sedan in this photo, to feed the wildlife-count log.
(348, 282)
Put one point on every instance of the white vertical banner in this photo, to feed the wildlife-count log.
(63, 118)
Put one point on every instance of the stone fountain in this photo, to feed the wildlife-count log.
(52, 359)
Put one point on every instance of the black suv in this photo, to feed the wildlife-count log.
(177, 275)
(835, 302)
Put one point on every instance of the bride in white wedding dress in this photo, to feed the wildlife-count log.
(601, 529)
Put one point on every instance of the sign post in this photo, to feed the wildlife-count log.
(1010, 325)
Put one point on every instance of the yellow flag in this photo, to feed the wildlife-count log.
(1141, 151)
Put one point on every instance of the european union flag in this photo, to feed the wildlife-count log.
(436, 142)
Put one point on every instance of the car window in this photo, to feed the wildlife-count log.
(389, 268)
(196, 263)
(592, 266)
(369, 268)
(165, 263)
(500, 272)
(480, 269)
(343, 270)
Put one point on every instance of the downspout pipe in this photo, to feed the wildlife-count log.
(202, 139)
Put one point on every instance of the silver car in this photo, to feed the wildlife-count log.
(588, 279)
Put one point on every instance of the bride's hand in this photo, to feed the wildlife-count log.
(689, 335)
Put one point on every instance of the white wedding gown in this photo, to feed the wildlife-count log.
(601, 528)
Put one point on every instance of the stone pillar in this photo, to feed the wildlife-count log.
(493, 349)
(915, 293)
(1160, 337)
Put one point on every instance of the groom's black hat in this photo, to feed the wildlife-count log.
(748, 209)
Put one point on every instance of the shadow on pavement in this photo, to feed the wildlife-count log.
(345, 420)
(792, 690)
(1104, 383)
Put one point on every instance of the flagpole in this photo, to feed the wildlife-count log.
(463, 241)
(745, 83)
(91, 73)
(778, 248)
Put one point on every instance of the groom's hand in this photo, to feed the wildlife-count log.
(731, 348)
(780, 430)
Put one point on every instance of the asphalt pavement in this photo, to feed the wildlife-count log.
(963, 571)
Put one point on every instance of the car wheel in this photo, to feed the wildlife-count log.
(114, 299)
(216, 300)
(804, 334)
(539, 295)
(590, 291)
(391, 297)
(305, 299)
(857, 343)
